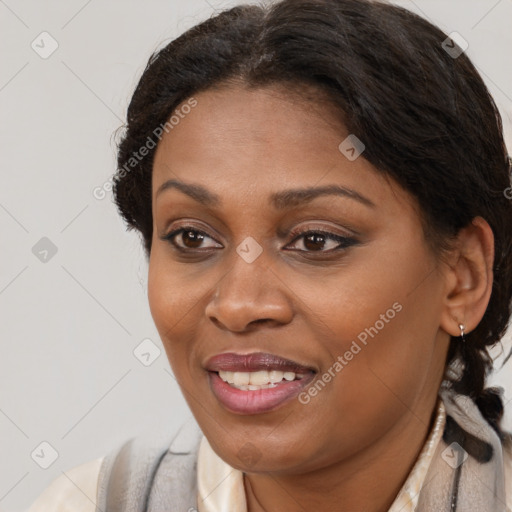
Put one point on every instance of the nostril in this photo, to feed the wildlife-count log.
(261, 320)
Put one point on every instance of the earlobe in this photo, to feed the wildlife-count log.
(469, 279)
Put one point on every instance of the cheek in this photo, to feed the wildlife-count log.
(177, 296)
(163, 294)
(171, 302)
(381, 319)
(386, 349)
(172, 291)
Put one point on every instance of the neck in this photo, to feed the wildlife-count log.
(369, 481)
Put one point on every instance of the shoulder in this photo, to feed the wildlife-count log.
(73, 491)
(131, 464)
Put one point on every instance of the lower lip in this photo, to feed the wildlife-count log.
(259, 400)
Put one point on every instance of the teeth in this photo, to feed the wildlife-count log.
(258, 378)
(251, 381)
(275, 376)
(241, 378)
(229, 377)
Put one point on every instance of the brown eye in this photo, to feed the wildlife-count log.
(192, 239)
(314, 241)
(322, 241)
(188, 238)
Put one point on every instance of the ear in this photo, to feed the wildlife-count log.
(469, 278)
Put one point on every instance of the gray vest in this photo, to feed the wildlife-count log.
(148, 475)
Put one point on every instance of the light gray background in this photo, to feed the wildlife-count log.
(68, 329)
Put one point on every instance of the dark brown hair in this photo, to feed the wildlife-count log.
(426, 118)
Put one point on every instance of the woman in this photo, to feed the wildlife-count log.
(320, 187)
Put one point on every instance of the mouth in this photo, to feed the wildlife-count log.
(257, 382)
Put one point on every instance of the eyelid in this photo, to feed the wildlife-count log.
(329, 230)
(183, 224)
(281, 232)
(332, 226)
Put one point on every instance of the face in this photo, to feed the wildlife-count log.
(251, 274)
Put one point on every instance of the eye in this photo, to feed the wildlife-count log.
(188, 238)
(321, 241)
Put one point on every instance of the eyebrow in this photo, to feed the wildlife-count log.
(280, 200)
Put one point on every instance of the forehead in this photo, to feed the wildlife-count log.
(236, 116)
(242, 143)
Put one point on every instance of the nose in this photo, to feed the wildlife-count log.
(248, 295)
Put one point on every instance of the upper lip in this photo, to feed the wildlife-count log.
(255, 361)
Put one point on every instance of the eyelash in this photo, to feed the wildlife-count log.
(344, 241)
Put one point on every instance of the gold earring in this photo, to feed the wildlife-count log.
(462, 331)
